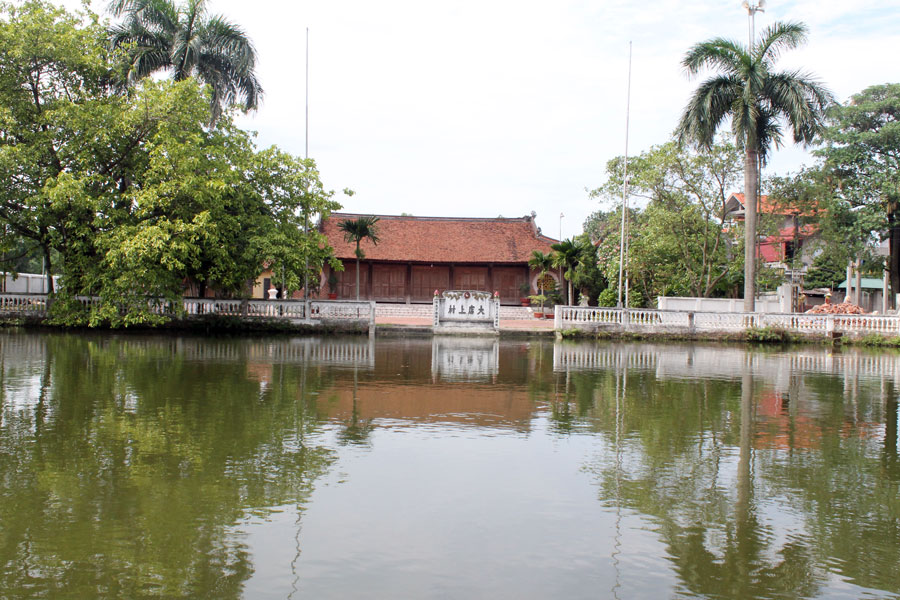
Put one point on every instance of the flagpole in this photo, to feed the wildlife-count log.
(306, 208)
(623, 243)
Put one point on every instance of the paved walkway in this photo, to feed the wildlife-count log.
(505, 324)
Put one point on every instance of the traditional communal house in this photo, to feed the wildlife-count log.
(415, 256)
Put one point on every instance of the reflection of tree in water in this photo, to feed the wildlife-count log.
(696, 466)
(141, 465)
(356, 430)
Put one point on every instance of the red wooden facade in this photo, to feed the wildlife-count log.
(417, 255)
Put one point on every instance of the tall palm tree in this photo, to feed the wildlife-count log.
(157, 35)
(357, 230)
(568, 253)
(758, 100)
(541, 262)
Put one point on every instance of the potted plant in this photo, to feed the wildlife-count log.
(537, 301)
(524, 288)
(553, 298)
(332, 285)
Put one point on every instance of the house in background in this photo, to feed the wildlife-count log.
(793, 233)
(417, 255)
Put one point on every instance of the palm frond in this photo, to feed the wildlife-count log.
(801, 99)
(777, 38)
(710, 104)
(158, 35)
(720, 53)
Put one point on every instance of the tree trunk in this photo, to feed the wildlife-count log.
(47, 269)
(894, 250)
(751, 171)
(357, 278)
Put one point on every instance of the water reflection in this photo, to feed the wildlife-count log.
(455, 358)
(124, 464)
(768, 474)
(186, 466)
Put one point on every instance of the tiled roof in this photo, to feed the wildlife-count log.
(771, 207)
(442, 239)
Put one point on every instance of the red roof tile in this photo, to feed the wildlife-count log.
(772, 207)
(442, 239)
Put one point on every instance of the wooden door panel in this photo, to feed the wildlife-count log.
(389, 282)
(427, 279)
(470, 278)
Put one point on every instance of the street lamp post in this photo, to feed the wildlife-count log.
(750, 217)
(752, 9)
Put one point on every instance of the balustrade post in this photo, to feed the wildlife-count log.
(690, 316)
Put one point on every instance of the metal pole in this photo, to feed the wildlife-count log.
(306, 207)
(622, 239)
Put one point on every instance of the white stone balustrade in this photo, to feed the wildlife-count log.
(667, 321)
(320, 310)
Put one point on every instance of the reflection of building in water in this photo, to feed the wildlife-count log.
(464, 359)
(463, 404)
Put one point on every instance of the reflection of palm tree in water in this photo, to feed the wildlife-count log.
(742, 568)
(356, 430)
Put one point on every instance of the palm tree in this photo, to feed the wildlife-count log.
(157, 35)
(757, 99)
(543, 263)
(357, 230)
(568, 253)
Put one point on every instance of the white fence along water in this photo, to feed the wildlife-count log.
(319, 310)
(666, 321)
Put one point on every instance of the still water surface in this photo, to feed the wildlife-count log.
(187, 467)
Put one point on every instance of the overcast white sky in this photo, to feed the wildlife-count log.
(500, 107)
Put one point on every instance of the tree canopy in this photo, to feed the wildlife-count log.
(861, 152)
(680, 242)
(137, 194)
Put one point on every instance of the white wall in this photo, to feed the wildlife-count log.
(26, 283)
(768, 304)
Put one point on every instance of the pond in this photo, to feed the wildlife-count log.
(141, 466)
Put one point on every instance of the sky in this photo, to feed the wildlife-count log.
(500, 107)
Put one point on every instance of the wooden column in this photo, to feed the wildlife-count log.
(490, 280)
(409, 283)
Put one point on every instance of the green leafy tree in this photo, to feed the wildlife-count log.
(136, 195)
(53, 73)
(861, 149)
(681, 243)
(567, 254)
(757, 99)
(542, 263)
(357, 230)
(589, 279)
(159, 35)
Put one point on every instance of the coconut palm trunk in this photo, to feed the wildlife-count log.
(751, 193)
(357, 269)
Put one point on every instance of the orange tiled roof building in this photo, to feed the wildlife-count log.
(417, 255)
